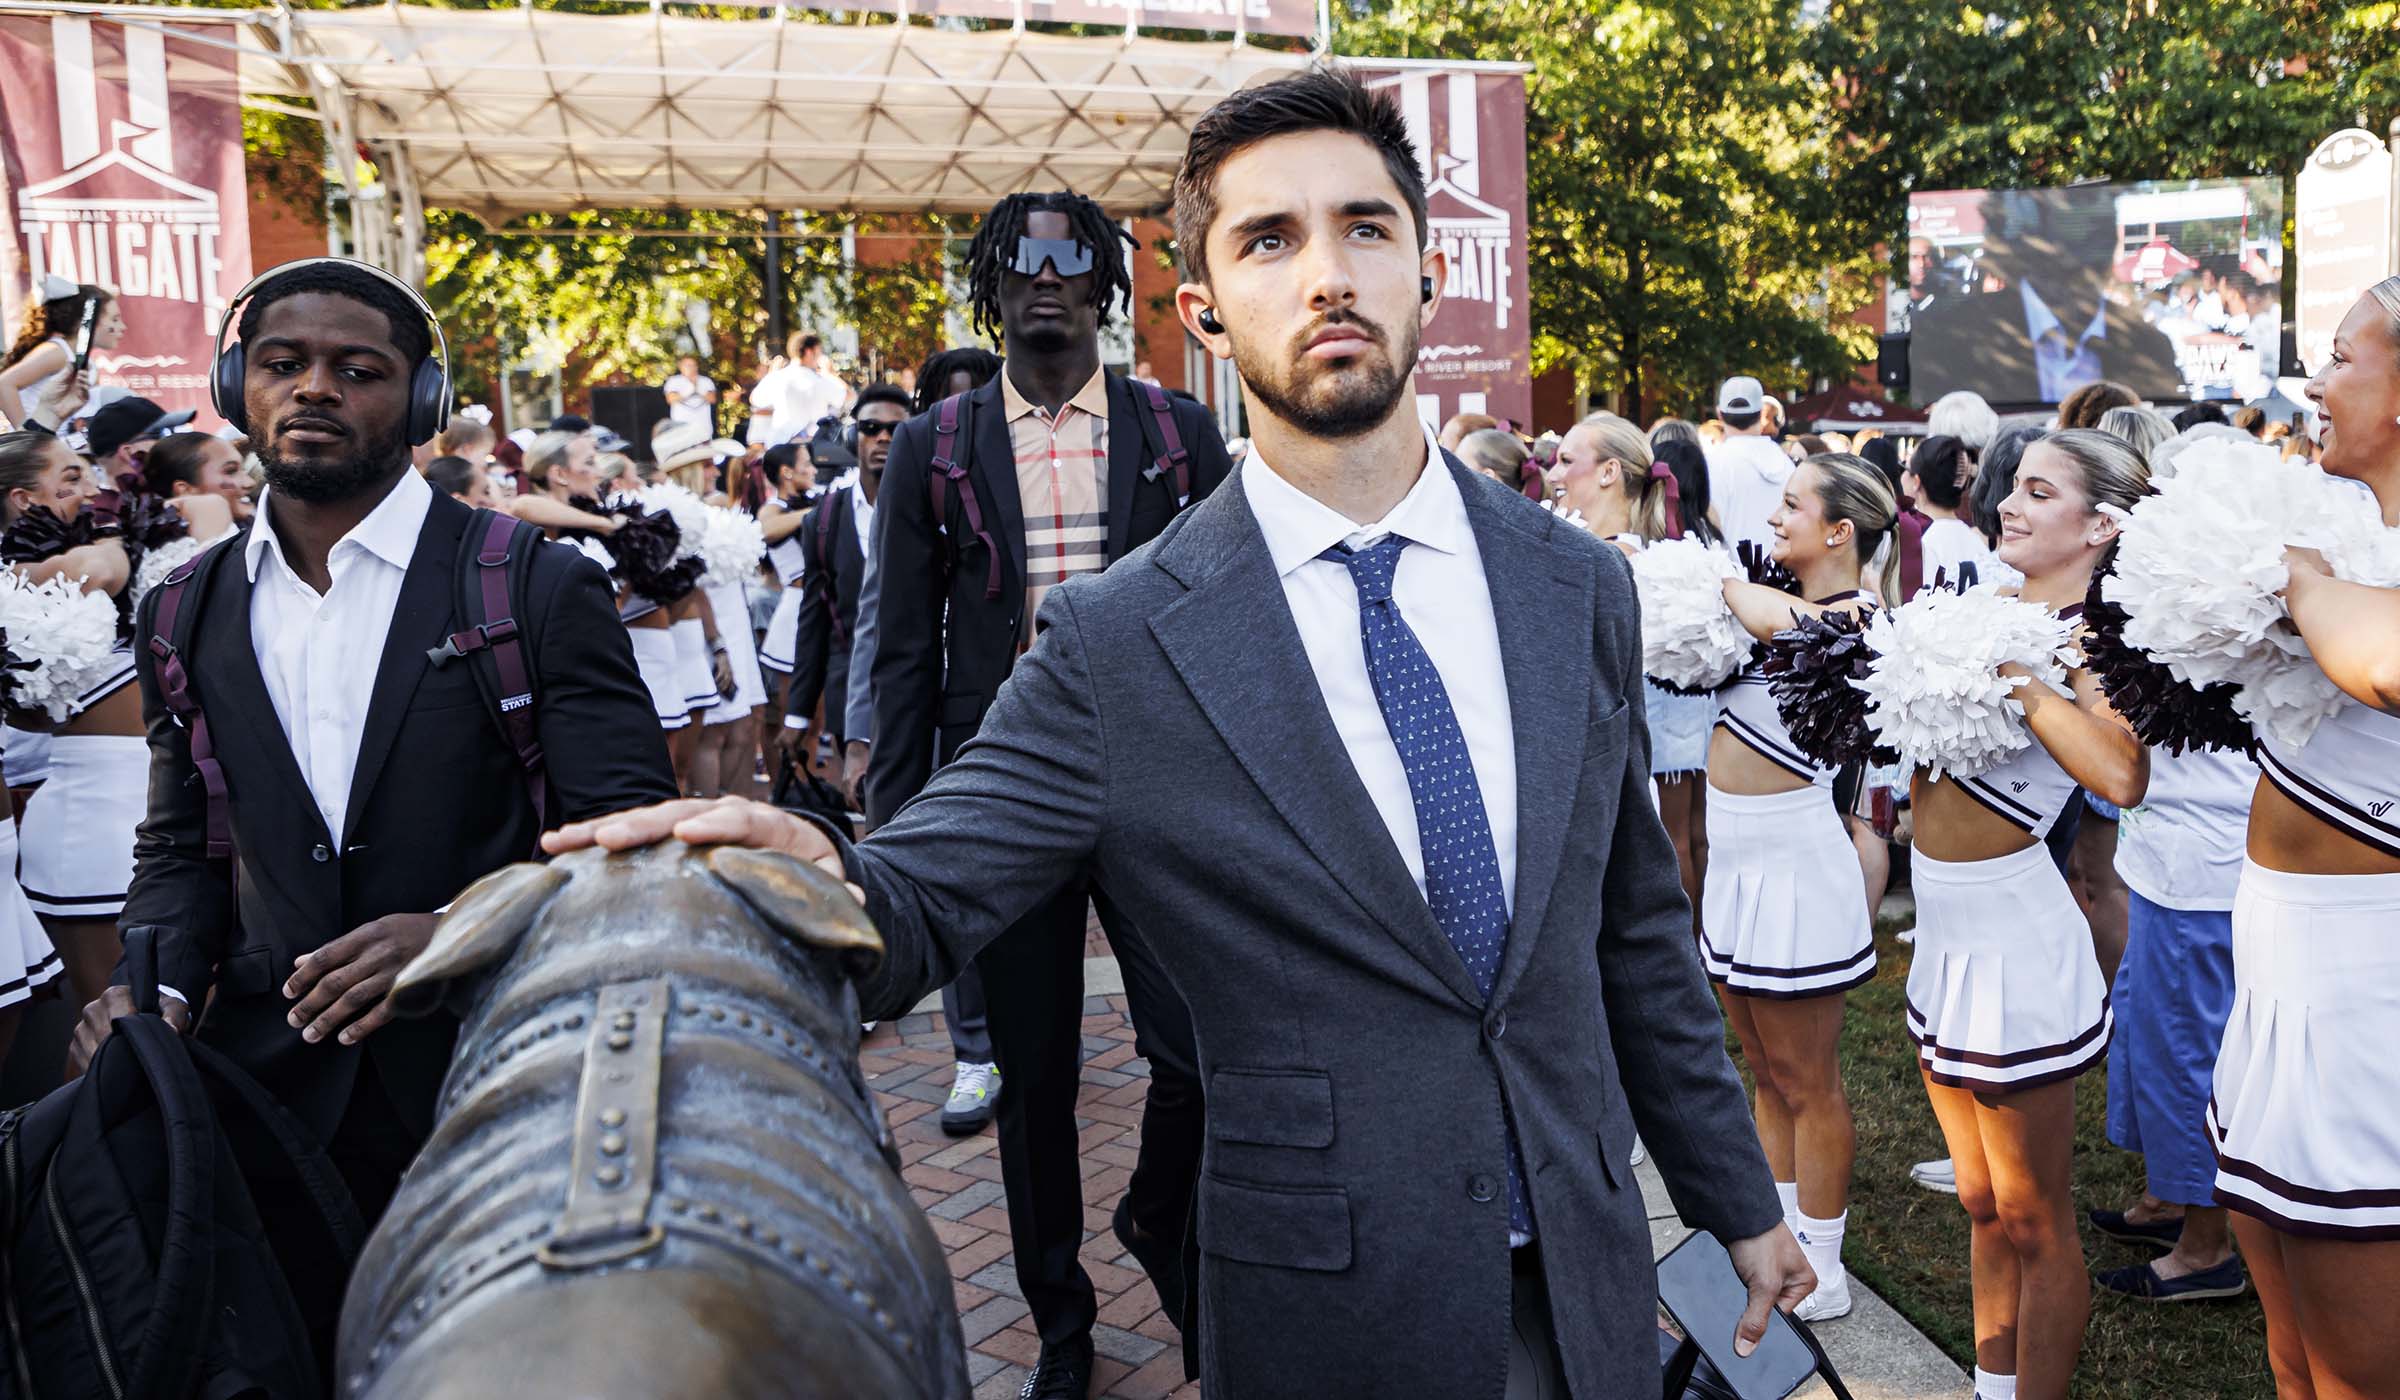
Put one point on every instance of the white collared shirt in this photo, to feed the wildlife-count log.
(1442, 594)
(319, 652)
(862, 513)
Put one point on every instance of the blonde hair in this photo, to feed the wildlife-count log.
(2144, 428)
(1619, 439)
(452, 440)
(548, 450)
(1854, 489)
(2114, 474)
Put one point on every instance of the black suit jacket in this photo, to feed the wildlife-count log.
(943, 646)
(1167, 738)
(1980, 343)
(820, 651)
(437, 801)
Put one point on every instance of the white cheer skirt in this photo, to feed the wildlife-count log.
(693, 674)
(26, 958)
(654, 657)
(2005, 992)
(77, 859)
(24, 755)
(732, 604)
(2306, 1111)
(782, 645)
(1783, 912)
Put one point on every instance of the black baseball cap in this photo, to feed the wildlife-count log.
(130, 420)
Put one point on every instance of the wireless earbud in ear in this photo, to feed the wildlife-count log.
(1209, 322)
(1425, 289)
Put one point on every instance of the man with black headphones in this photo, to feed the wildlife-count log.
(367, 777)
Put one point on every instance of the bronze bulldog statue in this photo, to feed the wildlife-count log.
(654, 1170)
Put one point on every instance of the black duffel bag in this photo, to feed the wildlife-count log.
(137, 1264)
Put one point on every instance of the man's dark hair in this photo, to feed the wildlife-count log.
(995, 246)
(410, 335)
(1743, 422)
(1324, 98)
(882, 391)
(452, 475)
(2201, 412)
(942, 366)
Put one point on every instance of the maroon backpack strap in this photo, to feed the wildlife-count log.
(499, 634)
(947, 469)
(1174, 459)
(175, 692)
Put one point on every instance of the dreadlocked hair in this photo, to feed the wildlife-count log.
(61, 317)
(411, 335)
(973, 361)
(995, 246)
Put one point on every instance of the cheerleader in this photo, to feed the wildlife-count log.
(76, 860)
(1605, 475)
(2005, 997)
(1785, 930)
(2306, 1105)
(44, 356)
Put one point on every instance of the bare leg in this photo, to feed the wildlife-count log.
(2342, 1291)
(1772, 1113)
(1993, 1273)
(1681, 807)
(2028, 1145)
(89, 948)
(1874, 861)
(2106, 903)
(2287, 1353)
(1802, 1041)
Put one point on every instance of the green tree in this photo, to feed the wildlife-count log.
(1689, 198)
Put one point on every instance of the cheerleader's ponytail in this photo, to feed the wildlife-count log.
(1854, 489)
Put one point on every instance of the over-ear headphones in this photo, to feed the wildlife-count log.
(1207, 318)
(428, 383)
(1425, 289)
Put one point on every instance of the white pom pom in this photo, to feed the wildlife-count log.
(732, 543)
(68, 635)
(1565, 512)
(595, 551)
(158, 563)
(2200, 564)
(1936, 693)
(688, 511)
(1690, 638)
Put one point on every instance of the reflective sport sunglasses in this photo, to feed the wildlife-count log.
(1072, 257)
(868, 427)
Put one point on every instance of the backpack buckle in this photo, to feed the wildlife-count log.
(477, 638)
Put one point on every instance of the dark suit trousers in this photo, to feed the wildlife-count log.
(1536, 1371)
(371, 1148)
(1033, 993)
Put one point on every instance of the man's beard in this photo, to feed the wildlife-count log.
(338, 480)
(1336, 404)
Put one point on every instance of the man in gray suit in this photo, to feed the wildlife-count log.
(1358, 744)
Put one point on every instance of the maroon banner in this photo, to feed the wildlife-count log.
(1469, 130)
(1223, 16)
(121, 166)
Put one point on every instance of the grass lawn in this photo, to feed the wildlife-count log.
(1910, 1245)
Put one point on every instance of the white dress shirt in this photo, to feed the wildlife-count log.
(1442, 594)
(319, 652)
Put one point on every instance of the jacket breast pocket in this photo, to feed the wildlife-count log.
(1282, 1227)
(1271, 1107)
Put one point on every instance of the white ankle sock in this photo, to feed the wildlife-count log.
(1788, 1192)
(1821, 1241)
(1992, 1387)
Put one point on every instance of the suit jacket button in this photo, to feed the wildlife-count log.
(320, 853)
(1481, 1187)
(1496, 1025)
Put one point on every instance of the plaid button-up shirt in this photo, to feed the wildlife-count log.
(1062, 482)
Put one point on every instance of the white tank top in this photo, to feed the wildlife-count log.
(2348, 773)
(33, 392)
(1746, 710)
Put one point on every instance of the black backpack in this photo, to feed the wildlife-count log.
(171, 1231)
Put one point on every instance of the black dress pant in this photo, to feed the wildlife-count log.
(1033, 996)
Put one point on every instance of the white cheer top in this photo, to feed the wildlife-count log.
(2348, 773)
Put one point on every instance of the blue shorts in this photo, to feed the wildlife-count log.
(2173, 993)
(2101, 806)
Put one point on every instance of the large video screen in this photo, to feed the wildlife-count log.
(2171, 288)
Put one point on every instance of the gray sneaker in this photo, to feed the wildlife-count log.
(973, 1092)
(1937, 1175)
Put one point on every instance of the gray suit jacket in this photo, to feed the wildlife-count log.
(1166, 737)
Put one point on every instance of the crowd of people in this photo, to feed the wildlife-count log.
(836, 610)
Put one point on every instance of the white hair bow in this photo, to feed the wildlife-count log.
(57, 288)
(477, 412)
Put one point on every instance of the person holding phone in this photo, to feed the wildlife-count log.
(61, 333)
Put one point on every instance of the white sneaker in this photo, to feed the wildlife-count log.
(974, 1092)
(1641, 1154)
(868, 1027)
(1827, 1303)
(1937, 1175)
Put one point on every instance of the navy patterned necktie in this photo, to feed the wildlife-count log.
(1454, 834)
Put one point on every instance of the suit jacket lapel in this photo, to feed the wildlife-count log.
(1232, 641)
(1542, 604)
(994, 466)
(233, 690)
(1127, 451)
(420, 621)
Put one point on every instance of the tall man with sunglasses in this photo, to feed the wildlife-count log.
(1064, 468)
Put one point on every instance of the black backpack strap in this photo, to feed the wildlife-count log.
(949, 425)
(495, 559)
(1165, 441)
(167, 1357)
(308, 1161)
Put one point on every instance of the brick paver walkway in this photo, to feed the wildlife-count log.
(957, 1181)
